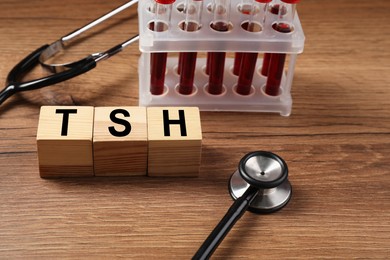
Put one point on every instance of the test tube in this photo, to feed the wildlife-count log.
(273, 9)
(237, 63)
(245, 8)
(187, 60)
(265, 67)
(217, 59)
(158, 61)
(248, 63)
(208, 63)
(210, 8)
(284, 24)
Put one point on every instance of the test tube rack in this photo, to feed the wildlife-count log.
(237, 39)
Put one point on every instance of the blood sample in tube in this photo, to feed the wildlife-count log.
(161, 23)
(248, 63)
(273, 9)
(237, 63)
(245, 8)
(187, 60)
(275, 73)
(265, 66)
(179, 63)
(284, 24)
(210, 8)
(208, 62)
(158, 67)
(217, 59)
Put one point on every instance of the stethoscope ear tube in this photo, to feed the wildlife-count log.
(19, 71)
(14, 86)
(25, 65)
(81, 67)
(6, 93)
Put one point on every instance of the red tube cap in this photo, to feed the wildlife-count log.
(165, 2)
(263, 1)
(291, 1)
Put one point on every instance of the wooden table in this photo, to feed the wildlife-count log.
(336, 143)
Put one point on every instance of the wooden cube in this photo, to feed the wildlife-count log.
(64, 141)
(175, 141)
(120, 145)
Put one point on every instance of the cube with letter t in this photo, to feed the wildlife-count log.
(175, 141)
(64, 140)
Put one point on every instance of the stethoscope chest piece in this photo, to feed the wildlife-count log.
(267, 172)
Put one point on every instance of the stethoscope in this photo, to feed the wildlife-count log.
(65, 71)
(261, 185)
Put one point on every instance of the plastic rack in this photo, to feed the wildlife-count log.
(236, 39)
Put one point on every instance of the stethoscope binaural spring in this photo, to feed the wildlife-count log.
(261, 185)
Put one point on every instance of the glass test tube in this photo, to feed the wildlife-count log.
(208, 63)
(237, 63)
(248, 63)
(245, 8)
(187, 60)
(284, 24)
(158, 61)
(273, 9)
(210, 8)
(216, 60)
(265, 67)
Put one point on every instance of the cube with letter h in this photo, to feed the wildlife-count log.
(175, 140)
(64, 140)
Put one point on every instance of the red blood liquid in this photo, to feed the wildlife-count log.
(187, 72)
(187, 64)
(237, 63)
(274, 9)
(217, 69)
(208, 63)
(276, 65)
(217, 64)
(179, 63)
(265, 67)
(238, 55)
(282, 27)
(158, 65)
(247, 70)
(220, 26)
(275, 74)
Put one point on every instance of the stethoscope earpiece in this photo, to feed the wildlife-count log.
(269, 174)
(260, 184)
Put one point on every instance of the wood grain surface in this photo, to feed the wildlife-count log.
(336, 143)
